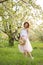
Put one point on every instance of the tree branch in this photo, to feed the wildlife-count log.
(3, 31)
(30, 3)
(1, 1)
(25, 2)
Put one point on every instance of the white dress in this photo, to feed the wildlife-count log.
(27, 46)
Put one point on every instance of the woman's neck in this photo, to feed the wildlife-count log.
(26, 29)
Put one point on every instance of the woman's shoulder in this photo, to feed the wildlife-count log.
(22, 30)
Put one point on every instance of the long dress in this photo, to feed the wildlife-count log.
(27, 47)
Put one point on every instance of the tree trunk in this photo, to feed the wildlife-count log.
(11, 41)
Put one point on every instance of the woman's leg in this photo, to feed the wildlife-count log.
(25, 53)
(30, 55)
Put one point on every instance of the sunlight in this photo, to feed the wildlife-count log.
(40, 2)
(39, 22)
(0, 18)
(15, 1)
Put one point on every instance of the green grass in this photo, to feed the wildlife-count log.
(12, 56)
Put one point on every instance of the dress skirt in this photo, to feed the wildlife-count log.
(27, 47)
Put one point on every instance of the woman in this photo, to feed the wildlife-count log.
(25, 48)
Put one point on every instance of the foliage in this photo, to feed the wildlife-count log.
(14, 13)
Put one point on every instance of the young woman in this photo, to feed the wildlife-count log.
(25, 48)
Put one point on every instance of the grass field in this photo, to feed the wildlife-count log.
(12, 56)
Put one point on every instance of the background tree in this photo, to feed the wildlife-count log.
(14, 13)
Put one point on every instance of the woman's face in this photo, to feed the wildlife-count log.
(26, 25)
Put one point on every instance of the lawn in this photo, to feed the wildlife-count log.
(12, 56)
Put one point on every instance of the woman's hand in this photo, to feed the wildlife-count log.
(22, 41)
